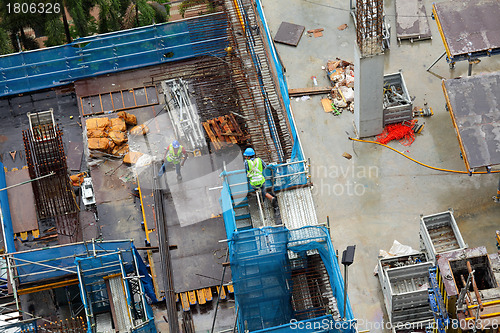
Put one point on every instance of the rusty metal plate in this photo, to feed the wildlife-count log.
(469, 26)
(411, 20)
(289, 34)
(474, 102)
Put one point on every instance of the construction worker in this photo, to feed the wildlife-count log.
(255, 167)
(175, 154)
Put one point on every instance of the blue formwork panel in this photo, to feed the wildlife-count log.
(113, 52)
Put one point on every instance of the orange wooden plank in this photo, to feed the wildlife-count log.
(185, 302)
(208, 294)
(227, 130)
(222, 292)
(192, 297)
(211, 135)
(200, 296)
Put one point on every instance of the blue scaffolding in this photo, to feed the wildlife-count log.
(260, 268)
(92, 262)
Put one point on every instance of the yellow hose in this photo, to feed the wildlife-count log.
(423, 164)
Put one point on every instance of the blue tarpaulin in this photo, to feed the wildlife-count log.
(113, 52)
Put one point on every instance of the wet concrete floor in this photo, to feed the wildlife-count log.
(377, 196)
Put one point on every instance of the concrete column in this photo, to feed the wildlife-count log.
(368, 93)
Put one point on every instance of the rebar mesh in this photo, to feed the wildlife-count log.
(369, 18)
(54, 197)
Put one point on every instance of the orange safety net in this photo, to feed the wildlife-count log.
(400, 131)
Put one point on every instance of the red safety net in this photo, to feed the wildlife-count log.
(400, 131)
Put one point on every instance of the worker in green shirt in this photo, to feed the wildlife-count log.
(255, 167)
(175, 154)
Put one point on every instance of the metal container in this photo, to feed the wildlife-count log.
(439, 234)
(397, 101)
(404, 282)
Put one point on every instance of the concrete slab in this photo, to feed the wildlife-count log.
(377, 196)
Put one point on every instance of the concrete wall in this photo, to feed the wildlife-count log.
(368, 94)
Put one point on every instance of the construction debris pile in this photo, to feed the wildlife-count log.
(109, 135)
(394, 95)
(341, 75)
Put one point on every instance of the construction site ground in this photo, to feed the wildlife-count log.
(377, 196)
(372, 199)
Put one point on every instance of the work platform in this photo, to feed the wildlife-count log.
(473, 103)
(469, 29)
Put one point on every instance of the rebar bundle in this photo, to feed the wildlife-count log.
(369, 19)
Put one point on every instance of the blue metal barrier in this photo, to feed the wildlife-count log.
(113, 52)
(8, 231)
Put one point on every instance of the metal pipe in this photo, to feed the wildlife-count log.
(218, 294)
(43, 265)
(436, 61)
(28, 181)
(474, 285)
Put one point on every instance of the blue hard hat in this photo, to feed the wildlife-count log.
(249, 152)
(176, 144)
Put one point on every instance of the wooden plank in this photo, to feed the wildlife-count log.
(22, 202)
(309, 91)
(211, 135)
(222, 292)
(227, 130)
(192, 297)
(208, 294)
(185, 302)
(201, 297)
(327, 104)
(216, 128)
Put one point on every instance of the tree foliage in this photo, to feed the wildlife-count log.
(60, 28)
(54, 30)
(5, 43)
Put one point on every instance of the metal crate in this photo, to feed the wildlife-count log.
(404, 280)
(397, 112)
(439, 234)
